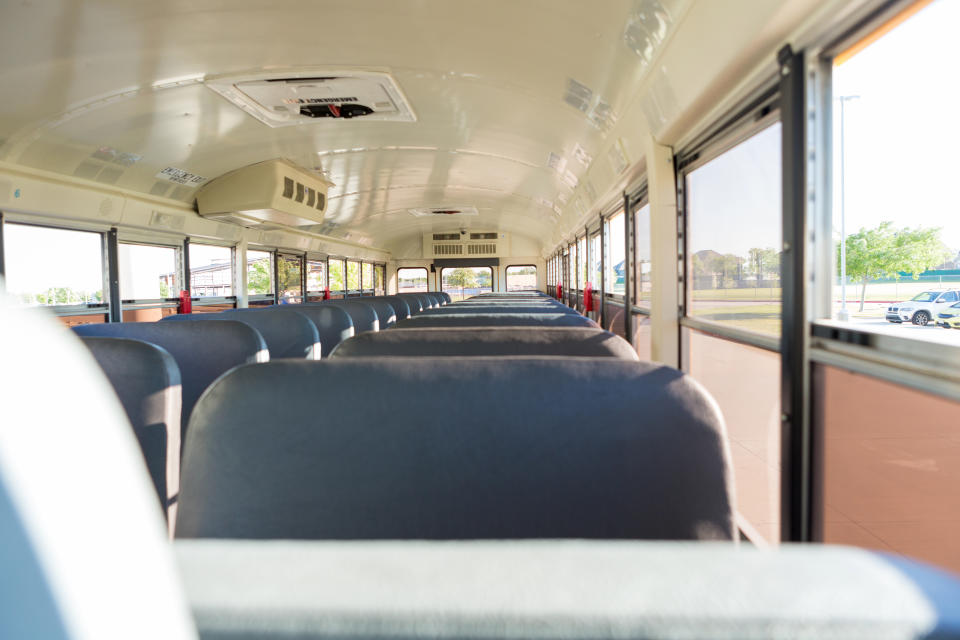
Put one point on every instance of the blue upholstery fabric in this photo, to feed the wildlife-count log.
(400, 306)
(509, 448)
(437, 299)
(415, 302)
(203, 350)
(146, 379)
(466, 308)
(488, 341)
(334, 325)
(288, 334)
(386, 314)
(363, 315)
(497, 320)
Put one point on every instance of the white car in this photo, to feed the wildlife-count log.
(923, 307)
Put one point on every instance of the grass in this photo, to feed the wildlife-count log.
(763, 318)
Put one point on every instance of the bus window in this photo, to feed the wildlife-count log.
(582, 276)
(353, 275)
(148, 279)
(411, 280)
(734, 236)
(463, 282)
(56, 268)
(895, 225)
(316, 279)
(289, 273)
(378, 280)
(615, 261)
(733, 221)
(366, 277)
(335, 268)
(211, 271)
(641, 282)
(521, 278)
(260, 275)
(595, 273)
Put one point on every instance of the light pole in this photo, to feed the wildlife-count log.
(843, 315)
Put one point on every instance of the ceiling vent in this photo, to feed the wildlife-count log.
(267, 193)
(447, 212)
(481, 244)
(284, 99)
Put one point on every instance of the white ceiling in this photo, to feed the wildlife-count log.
(486, 79)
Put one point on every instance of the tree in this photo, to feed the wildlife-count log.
(462, 278)
(336, 274)
(259, 278)
(763, 262)
(885, 252)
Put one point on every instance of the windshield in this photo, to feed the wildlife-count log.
(926, 296)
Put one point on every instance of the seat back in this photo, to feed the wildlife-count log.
(487, 341)
(400, 306)
(334, 325)
(415, 301)
(437, 299)
(508, 449)
(84, 552)
(203, 350)
(363, 315)
(497, 320)
(446, 297)
(146, 380)
(467, 308)
(288, 334)
(386, 314)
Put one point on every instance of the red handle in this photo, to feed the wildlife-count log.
(186, 305)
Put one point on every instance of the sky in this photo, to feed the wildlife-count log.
(902, 135)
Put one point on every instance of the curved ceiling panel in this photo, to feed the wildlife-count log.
(513, 100)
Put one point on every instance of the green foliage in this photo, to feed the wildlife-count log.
(463, 278)
(885, 252)
(763, 263)
(259, 278)
(353, 275)
(336, 274)
(63, 295)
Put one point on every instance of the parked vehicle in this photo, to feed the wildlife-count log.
(923, 307)
(950, 318)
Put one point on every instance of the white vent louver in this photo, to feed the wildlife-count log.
(448, 249)
(284, 99)
(481, 249)
(272, 192)
(477, 244)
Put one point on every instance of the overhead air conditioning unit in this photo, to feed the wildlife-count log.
(264, 194)
(464, 244)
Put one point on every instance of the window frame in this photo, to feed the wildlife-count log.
(66, 310)
(506, 275)
(426, 273)
(261, 299)
(205, 301)
(492, 275)
(759, 113)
